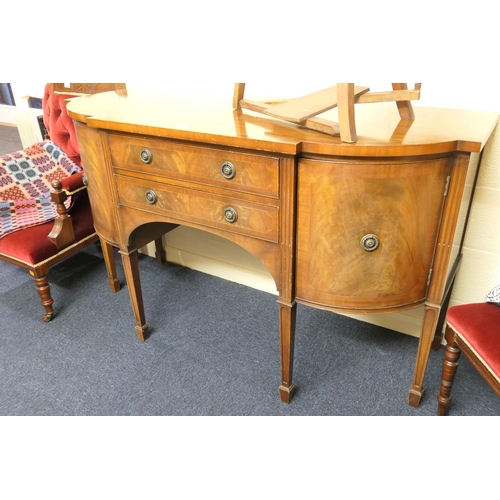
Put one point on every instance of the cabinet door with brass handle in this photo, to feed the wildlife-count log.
(367, 231)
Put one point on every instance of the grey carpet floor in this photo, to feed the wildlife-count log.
(213, 350)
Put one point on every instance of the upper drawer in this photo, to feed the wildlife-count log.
(239, 171)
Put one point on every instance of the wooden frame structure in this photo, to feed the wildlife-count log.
(304, 110)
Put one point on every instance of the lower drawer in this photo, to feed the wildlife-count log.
(200, 208)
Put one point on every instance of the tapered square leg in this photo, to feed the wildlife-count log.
(131, 267)
(287, 316)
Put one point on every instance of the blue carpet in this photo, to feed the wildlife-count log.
(213, 350)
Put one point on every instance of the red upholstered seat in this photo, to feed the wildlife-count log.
(32, 246)
(41, 246)
(479, 326)
(474, 331)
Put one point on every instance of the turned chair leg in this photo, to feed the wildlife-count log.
(43, 289)
(450, 364)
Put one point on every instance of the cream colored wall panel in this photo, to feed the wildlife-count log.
(475, 277)
(211, 254)
(408, 322)
(482, 231)
(489, 175)
(213, 247)
(496, 281)
(472, 170)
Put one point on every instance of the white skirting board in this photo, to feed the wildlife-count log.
(211, 254)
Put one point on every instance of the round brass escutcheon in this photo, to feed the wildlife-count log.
(228, 170)
(230, 214)
(146, 155)
(370, 242)
(151, 197)
(85, 180)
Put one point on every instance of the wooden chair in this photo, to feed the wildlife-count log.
(474, 330)
(39, 247)
(303, 110)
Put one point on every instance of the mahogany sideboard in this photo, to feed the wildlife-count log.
(365, 227)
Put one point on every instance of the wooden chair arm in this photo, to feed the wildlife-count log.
(73, 182)
(63, 233)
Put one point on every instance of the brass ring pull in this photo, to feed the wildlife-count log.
(228, 170)
(151, 197)
(370, 242)
(146, 155)
(230, 215)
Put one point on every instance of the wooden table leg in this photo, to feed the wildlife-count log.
(109, 259)
(131, 268)
(431, 317)
(160, 254)
(287, 316)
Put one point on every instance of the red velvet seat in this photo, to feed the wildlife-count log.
(39, 247)
(32, 246)
(474, 330)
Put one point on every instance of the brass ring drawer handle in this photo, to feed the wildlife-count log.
(151, 197)
(230, 214)
(370, 242)
(146, 155)
(228, 170)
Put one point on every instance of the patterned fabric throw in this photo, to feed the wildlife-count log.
(25, 184)
(494, 296)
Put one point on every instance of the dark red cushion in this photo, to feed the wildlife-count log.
(73, 182)
(32, 246)
(59, 125)
(479, 325)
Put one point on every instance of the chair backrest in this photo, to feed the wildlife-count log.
(59, 125)
(85, 88)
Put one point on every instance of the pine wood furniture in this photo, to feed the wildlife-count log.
(367, 227)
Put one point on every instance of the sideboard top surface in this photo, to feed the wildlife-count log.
(380, 130)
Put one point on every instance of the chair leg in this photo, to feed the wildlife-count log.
(43, 289)
(345, 106)
(450, 364)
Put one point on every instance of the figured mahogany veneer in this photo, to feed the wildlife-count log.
(399, 202)
(365, 228)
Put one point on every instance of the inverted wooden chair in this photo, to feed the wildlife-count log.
(39, 247)
(474, 330)
(303, 110)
